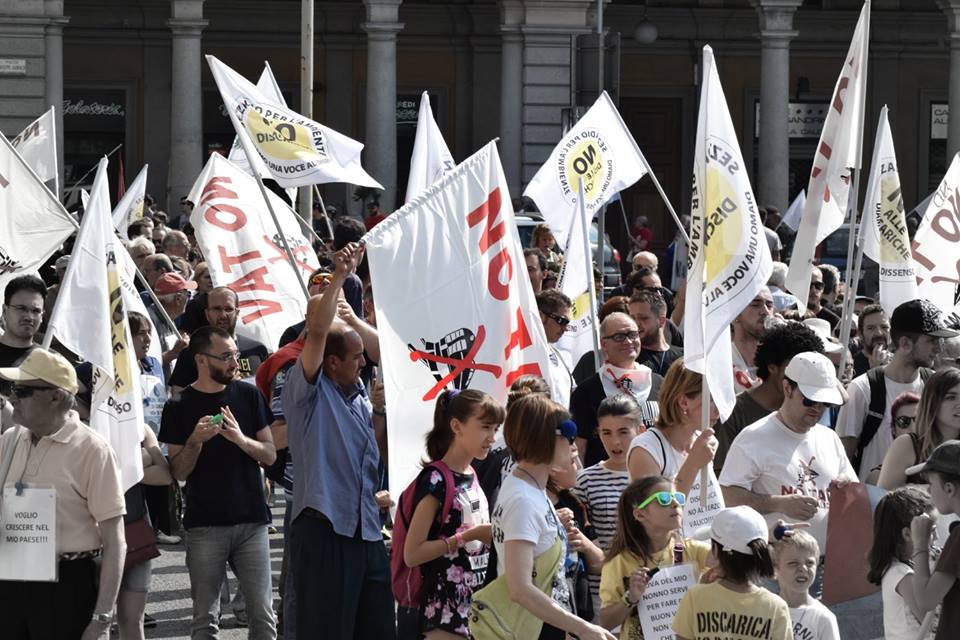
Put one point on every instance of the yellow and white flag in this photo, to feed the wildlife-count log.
(883, 228)
(599, 151)
(130, 207)
(838, 154)
(38, 146)
(431, 158)
(90, 320)
(728, 259)
(295, 150)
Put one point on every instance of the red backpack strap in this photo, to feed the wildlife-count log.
(450, 488)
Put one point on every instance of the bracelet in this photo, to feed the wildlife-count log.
(451, 549)
(459, 538)
(379, 412)
(626, 600)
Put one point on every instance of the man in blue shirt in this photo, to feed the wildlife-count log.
(341, 568)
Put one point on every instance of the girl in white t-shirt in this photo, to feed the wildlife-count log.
(891, 562)
(676, 448)
(540, 435)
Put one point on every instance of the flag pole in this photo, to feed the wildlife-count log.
(56, 155)
(94, 167)
(850, 294)
(585, 221)
(245, 143)
(323, 207)
(306, 85)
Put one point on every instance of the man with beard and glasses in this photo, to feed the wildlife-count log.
(748, 328)
(874, 329)
(218, 434)
(221, 312)
(918, 330)
(649, 310)
(619, 373)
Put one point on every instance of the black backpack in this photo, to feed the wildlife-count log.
(876, 409)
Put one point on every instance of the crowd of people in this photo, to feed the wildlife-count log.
(548, 516)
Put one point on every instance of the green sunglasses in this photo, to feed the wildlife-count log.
(664, 498)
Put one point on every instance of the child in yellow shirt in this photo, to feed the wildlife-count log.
(648, 518)
(735, 607)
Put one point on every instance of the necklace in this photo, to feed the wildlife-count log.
(530, 475)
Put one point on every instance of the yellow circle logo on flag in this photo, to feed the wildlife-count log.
(587, 159)
(724, 222)
(278, 139)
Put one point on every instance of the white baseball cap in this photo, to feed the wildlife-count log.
(735, 528)
(815, 376)
(822, 328)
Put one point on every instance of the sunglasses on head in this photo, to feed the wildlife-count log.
(904, 422)
(664, 499)
(560, 320)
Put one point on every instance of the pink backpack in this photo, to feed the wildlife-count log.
(407, 582)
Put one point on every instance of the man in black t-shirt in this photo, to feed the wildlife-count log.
(22, 315)
(649, 310)
(221, 312)
(218, 432)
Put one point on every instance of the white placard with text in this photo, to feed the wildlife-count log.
(658, 605)
(28, 535)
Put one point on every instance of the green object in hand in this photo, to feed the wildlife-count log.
(217, 419)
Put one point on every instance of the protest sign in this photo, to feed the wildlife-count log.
(658, 605)
(936, 244)
(700, 509)
(28, 541)
(244, 250)
(468, 320)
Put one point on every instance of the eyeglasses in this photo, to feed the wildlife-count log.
(816, 285)
(623, 336)
(21, 391)
(904, 422)
(664, 499)
(234, 356)
(27, 311)
(560, 320)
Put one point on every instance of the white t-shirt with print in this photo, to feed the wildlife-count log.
(524, 512)
(770, 459)
(813, 621)
(854, 412)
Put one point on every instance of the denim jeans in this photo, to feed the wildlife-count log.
(247, 549)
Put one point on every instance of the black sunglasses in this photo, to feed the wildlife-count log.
(816, 285)
(807, 402)
(560, 320)
(904, 422)
(21, 391)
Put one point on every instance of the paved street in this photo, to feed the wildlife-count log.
(169, 599)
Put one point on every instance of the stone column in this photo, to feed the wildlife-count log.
(952, 9)
(53, 81)
(776, 32)
(186, 118)
(511, 109)
(380, 156)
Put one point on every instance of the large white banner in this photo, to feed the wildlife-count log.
(90, 320)
(38, 146)
(837, 155)
(884, 225)
(599, 151)
(454, 307)
(295, 150)
(936, 246)
(431, 158)
(33, 223)
(729, 259)
(130, 207)
(244, 251)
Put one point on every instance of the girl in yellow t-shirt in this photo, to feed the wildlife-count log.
(735, 607)
(648, 519)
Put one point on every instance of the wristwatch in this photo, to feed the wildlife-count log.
(102, 618)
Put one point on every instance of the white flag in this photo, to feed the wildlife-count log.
(837, 155)
(38, 146)
(936, 245)
(295, 150)
(575, 282)
(130, 207)
(792, 216)
(600, 151)
(728, 259)
(476, 325)
(431, 158)
(244, 252)
(90, 320)
(883, 227)
(33, 223)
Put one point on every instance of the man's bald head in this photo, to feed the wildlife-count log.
(646, 259)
